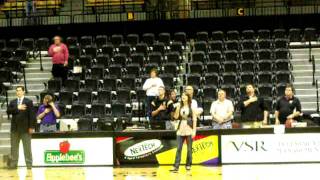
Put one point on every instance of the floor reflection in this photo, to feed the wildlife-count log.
(227, 172)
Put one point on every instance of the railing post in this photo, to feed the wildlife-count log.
(313, 70)
(24, 78)
(41, 67)
(7, 98)
(310, 52)
(317, 90)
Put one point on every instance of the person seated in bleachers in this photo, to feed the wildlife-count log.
(254, 113)
(288, 108)
(48, 113)
(60, 56)
(222, 111)
(151, 86)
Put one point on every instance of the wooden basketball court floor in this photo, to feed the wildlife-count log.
(226, 172)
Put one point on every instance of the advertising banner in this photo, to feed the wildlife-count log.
(131, 150)
(70, 151)
(265, 148)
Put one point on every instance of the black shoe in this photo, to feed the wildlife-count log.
(174, 170)
(188, 168)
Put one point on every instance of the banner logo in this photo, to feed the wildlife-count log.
(56, 157)
(246, 146)
(143, 149)
(64, 155)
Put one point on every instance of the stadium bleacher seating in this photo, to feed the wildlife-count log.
(115, 67)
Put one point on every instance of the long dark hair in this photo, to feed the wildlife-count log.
(189, 104)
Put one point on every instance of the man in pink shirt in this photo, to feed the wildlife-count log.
(60, 55)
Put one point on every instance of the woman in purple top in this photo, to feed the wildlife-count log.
(48, 113)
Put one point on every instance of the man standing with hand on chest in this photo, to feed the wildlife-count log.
(254, 113)
(22, 126)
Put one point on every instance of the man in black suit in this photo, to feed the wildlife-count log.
(22, 126)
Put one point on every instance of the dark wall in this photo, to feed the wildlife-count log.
(191, 26)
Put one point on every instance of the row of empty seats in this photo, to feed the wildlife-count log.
(15, 5)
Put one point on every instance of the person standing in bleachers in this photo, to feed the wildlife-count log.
(151, 86)
(48, 113)
(30, 10)
(159, 106)
(190, 91)
(171, 106)
(30, 7)
(254, 112)
(186, 129)
(172, 100)
(60, 55)
(22, 126)
(288, 108)
(222, 111)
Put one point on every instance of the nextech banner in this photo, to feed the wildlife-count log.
(163, 151)
(260, 148)
(70, 151)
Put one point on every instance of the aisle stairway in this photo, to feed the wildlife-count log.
(302, 71)
(35, 79)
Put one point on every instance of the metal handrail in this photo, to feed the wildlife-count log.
(313, 70)
(317, 91)
(227, 7)
(310, 51)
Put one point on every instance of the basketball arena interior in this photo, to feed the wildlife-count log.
(159, 89)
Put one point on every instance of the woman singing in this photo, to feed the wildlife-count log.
(186, 130)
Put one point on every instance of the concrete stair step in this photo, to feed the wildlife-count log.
(4, 117)
(5, 149)
(305, 79)
(31, 92)
(308, 105)
(43, 58)
(303, 84)
(4, 135)
(5, 126)
(46, 69)
(3, 160)
(306, 91)
(305, 99)
(298, 73)
(37, 60)
(300, 56)
(304, 67)
(304, 50)
(299, 62)
(35, 80)
(37, 75)
(36, 64)
(30, 85)
(4, 141)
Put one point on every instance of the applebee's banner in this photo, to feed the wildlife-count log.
(162, 151)
(70, 151)
(260, 148)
